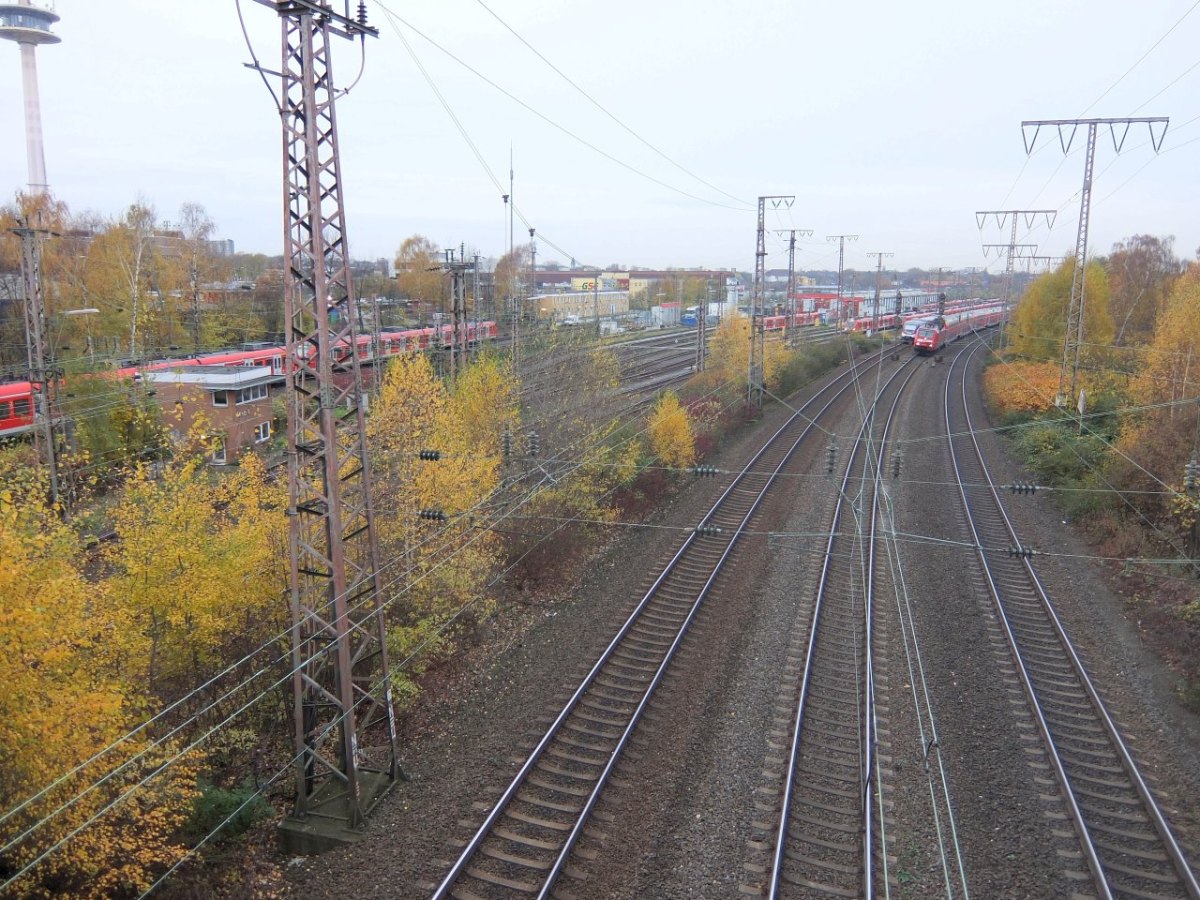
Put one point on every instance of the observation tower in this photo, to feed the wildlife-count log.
(29, 26)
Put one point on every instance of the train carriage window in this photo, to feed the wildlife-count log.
(5, 410)
(20, 408)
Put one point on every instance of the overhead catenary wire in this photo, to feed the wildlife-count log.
(1141, 58)
(394, 18)
(605, 110)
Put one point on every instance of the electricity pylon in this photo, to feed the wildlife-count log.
(841, 239)
(345, 728)
(43, 376)
(879, 255)
(1014, 250)
(754, 376)
(1074, 335)
(789, 332)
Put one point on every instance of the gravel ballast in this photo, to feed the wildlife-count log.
(679, 818)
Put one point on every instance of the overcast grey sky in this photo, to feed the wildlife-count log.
(895, 121)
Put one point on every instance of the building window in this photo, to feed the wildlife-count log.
(220, 398)
(250, 394)
(262, 432)
(218, 455)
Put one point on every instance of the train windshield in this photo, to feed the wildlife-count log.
(926, 331)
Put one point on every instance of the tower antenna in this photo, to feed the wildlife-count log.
(29, 26)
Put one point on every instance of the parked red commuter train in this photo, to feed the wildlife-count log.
(16, 408)
(801, 319)
(883, 322)
(16, 398)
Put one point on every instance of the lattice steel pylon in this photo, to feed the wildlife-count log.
(879, 255)
(43, 375)
(1014, 250)
(755, 374)
(1073, 338)
(841, 239)
(344, 723)
(789, 330)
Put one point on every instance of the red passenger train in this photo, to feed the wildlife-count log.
(17, 401)
(931, 336)
(800, 319)
(882, 322)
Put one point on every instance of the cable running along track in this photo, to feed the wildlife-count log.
(827, 831)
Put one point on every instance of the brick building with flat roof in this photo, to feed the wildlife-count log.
(235, 401)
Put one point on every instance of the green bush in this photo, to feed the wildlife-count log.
(808, 364)
(1058, 454)
(242, 806)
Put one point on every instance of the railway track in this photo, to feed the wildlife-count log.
(530, 833)
(1125, 838)
(826, 830)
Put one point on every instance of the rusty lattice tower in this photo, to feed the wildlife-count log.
(344, 726)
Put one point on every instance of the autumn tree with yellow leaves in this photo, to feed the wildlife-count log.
(200, 565)
(729, 353)
(439, 565)
(65, 642)
(1160, 434)
(1039, 323)
(671, 436)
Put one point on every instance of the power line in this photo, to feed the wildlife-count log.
(610, 157)
(604, 110)
(1141, 58)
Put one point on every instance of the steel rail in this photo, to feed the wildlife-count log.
(1151, 808)
(779, 854)
(1076, 814)
(460, 865)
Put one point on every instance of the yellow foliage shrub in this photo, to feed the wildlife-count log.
(1021, 386)
(671, 437)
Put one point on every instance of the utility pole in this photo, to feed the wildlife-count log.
(457, 267)
(345, 728)
(1075, 309)
(879, 255)
(1014, 250)
(841, 239)
(43, 376)
(596, 303)
(790, 330)
(532, 264)
(702, 327)
(755, 375)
